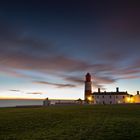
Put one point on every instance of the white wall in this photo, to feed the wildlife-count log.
(109, 99)
(137, 98)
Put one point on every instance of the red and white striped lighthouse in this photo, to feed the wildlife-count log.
(88, 87)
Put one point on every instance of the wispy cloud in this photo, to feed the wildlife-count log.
(19, 91)
(35, 93)
(104, 80)
(110, 61)
(97, 81)
(55, 84)
(78, 80)
(15, 90)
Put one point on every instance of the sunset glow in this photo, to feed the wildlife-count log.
(47, 47)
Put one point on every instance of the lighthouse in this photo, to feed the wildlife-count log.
(88, 88)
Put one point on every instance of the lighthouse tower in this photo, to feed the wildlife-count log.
(88, 88)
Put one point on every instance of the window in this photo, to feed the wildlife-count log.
(110, 102)
(116, 96)
(110, 96)
(123, 97)
(103, 96)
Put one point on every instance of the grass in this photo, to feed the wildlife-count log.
(99, 122)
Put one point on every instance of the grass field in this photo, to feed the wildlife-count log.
(100, 122)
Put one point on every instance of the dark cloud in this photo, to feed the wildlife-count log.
(112, 56)
(97, 81)
(14, 73)
(15, 90)
(136, 64)
(55, 84)
(14, 42)
(35, 93)
(27, 62)
(25, 52)
(104, 80)
(77, 80)
(130, 77)
(108, 48)
(97, 85)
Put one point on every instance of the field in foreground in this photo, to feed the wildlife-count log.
(108, 122)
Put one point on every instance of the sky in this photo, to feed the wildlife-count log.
(47, 47)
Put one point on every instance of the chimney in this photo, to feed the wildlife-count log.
(117, 89)
(138, 93)
(98, 90)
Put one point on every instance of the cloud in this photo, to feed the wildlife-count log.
(19, 51)
(35, 93)
(98, 78)
(14, 72)
(51, 64)
(77, 80)
(22, 51)
(112, 56)
(97, 81)
(15, 90)
(136, 64)
(104, 80)
(55, 84)
(130, 77)
(97, 85)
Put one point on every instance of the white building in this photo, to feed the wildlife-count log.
(136, 98)
(110, 97)
(48, 102)
(107, 97)
(96, 97)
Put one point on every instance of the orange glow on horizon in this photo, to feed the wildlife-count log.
(19, 98)
(24, 98)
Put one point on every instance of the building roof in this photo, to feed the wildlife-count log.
(110, 93)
